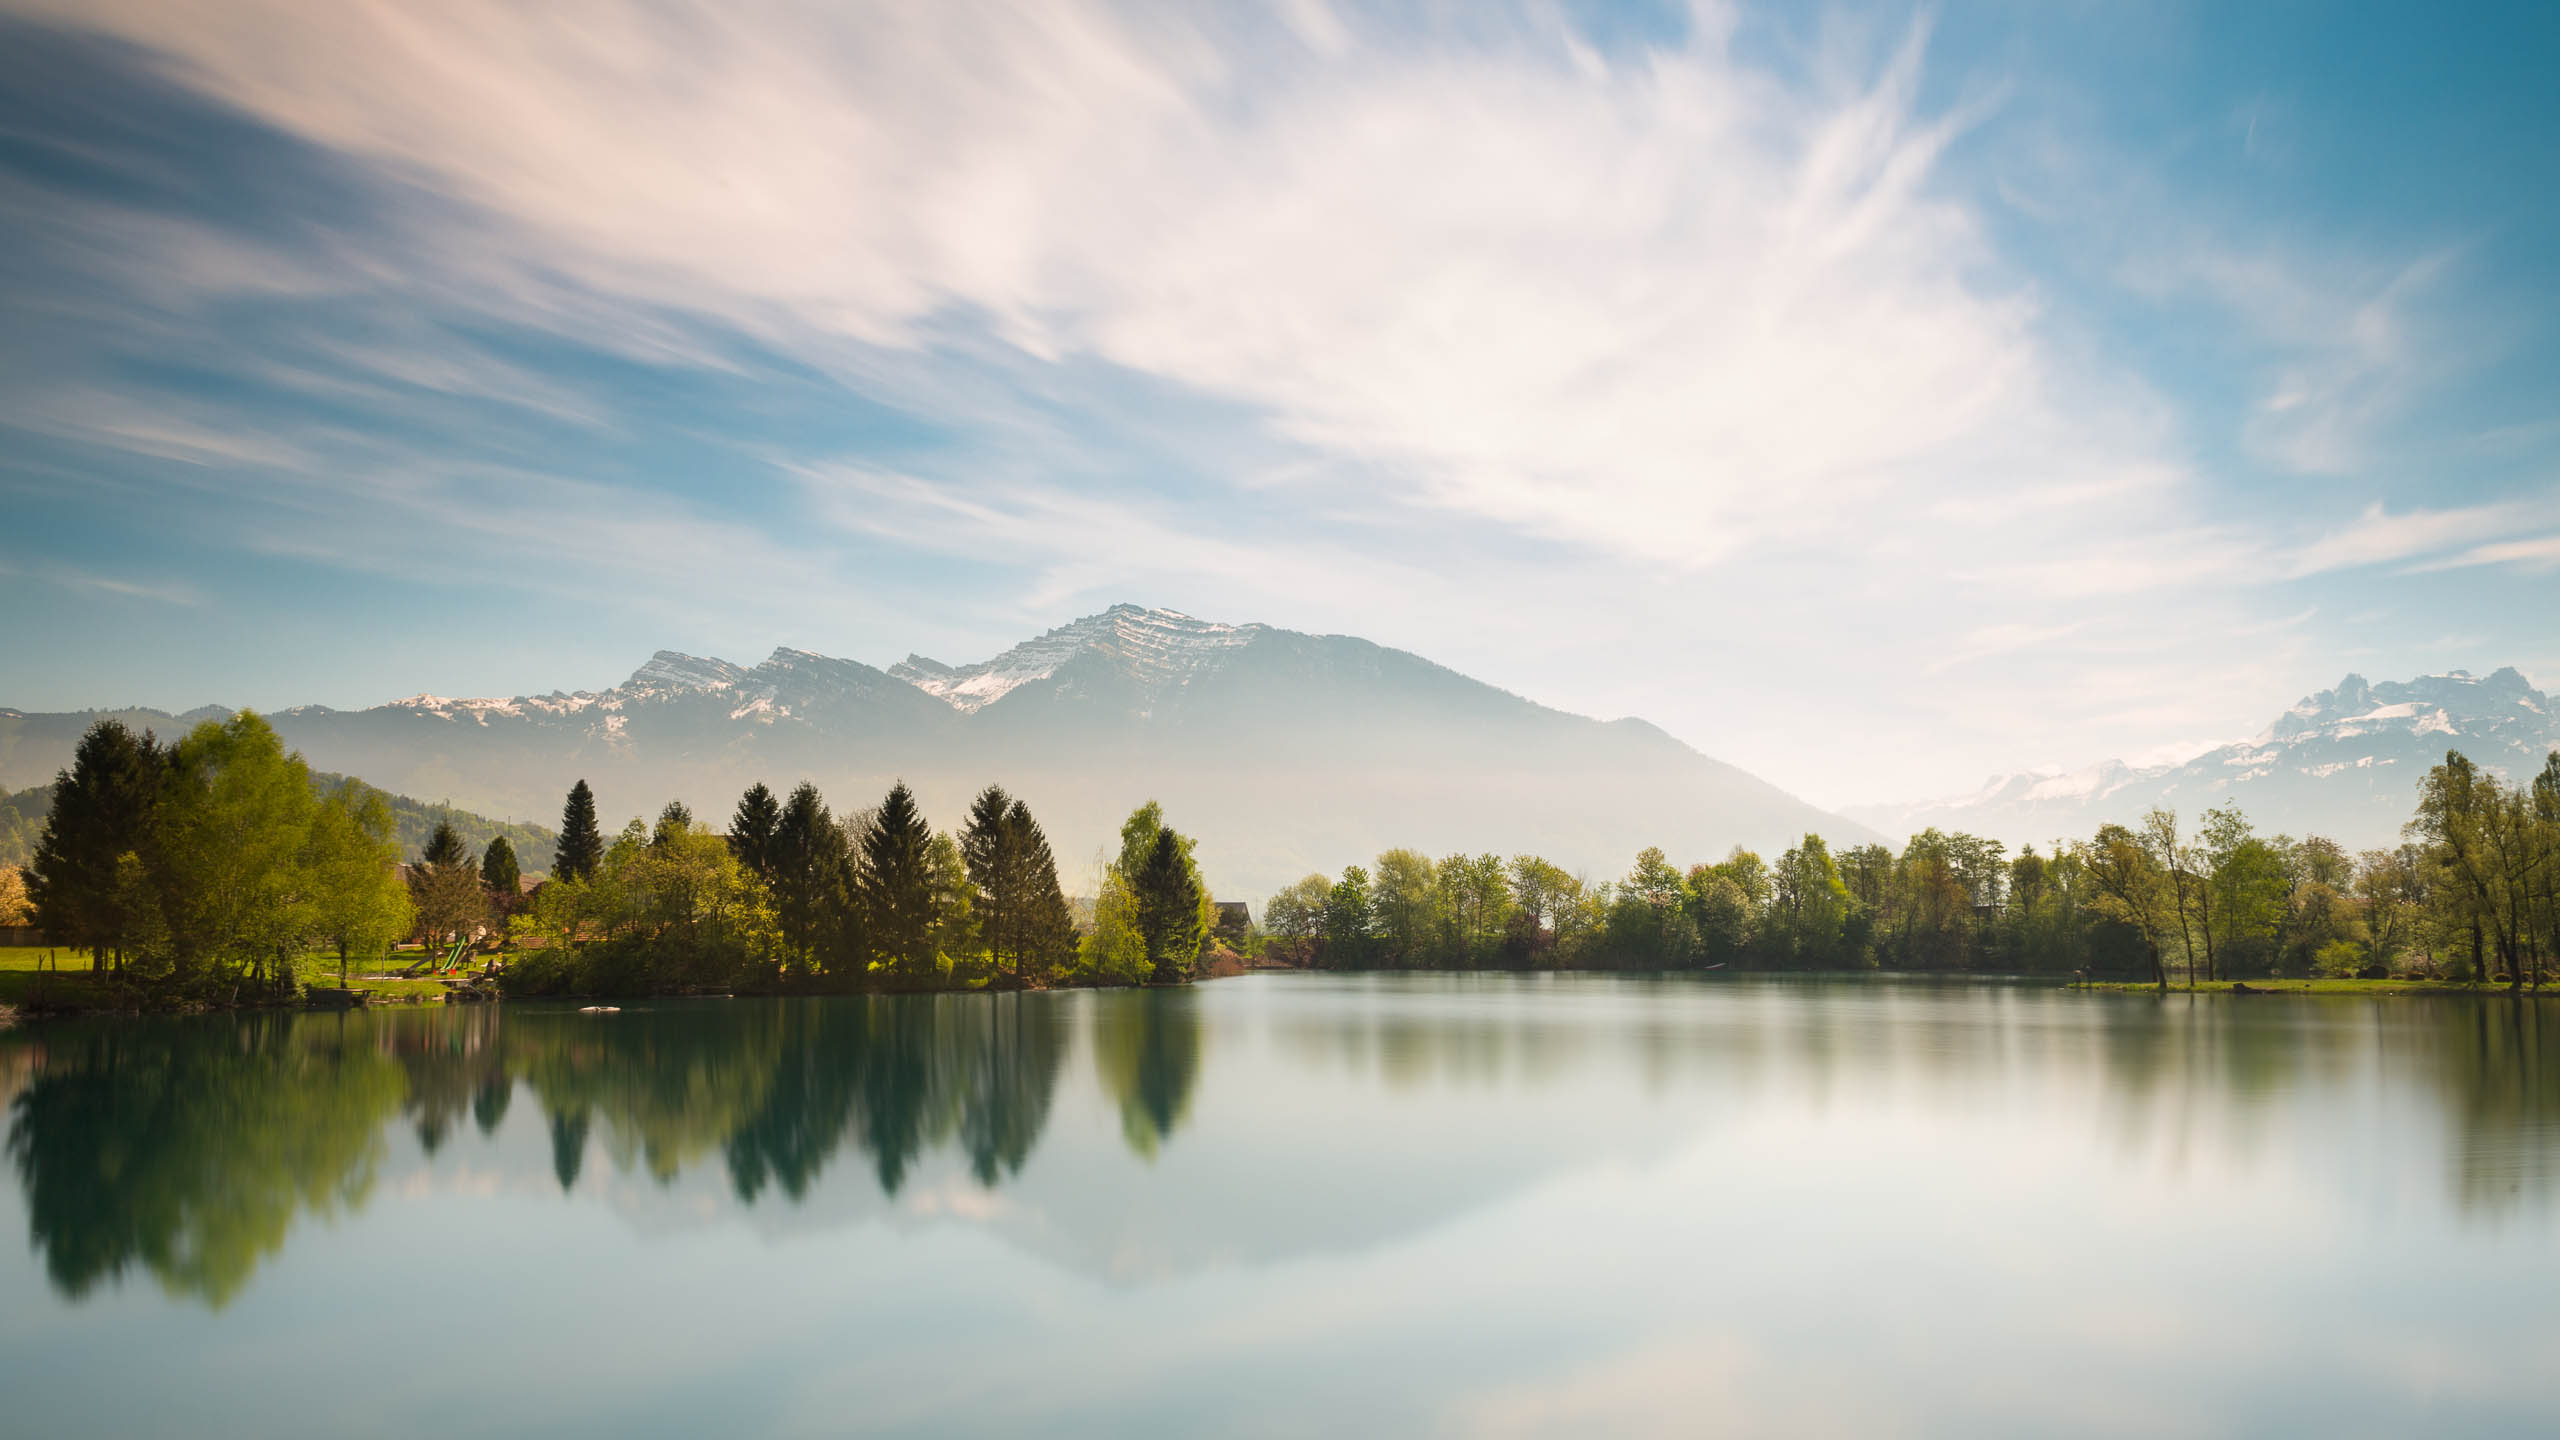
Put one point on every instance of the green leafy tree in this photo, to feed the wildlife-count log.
(232, 835)
(15, 908)
(1348, 938)
(2130, 886)
(581, 843)
(1294, 918)
(359, 906)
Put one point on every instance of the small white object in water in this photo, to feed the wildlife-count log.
(599, 1009)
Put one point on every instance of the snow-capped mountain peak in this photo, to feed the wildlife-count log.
(1157, 647)
(2343, 762)
(674, 670)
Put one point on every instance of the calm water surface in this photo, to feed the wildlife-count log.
(1293, 1205)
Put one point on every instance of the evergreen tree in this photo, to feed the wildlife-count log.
(1045, 933)
(898, 886)
(444, 848)
(990, 850)
(499, 871)
(1168, 895)
(810, 872)
(581, 843)
(103, 809)
(674, 823)
(751, 829)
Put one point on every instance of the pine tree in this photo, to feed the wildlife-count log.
(581, 843)
(499, 871)
(990, 851)
(898, 885)
(444, 847)
(674, 823)
(751, 829)
(103, 809)
(808, 865)
(1168, 894)
(1046, 936)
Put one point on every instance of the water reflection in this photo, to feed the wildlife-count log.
(187, 1149)
(1146, 1051)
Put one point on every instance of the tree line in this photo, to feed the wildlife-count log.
(793, 896)
(207, 866)
(2472, 893)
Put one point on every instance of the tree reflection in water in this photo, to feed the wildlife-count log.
(187, 1149)
(1146, 1051)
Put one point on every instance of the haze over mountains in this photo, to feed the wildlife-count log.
(1283, 752)
(2344, 763)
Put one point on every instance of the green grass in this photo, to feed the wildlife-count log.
(27, 974)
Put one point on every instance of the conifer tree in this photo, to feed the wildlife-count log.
(674, 823)
(499, 871)
(752, 828)
(444, 847)
(103, 809)
(1046, 933)
(809, 868)
(581, 843)
(898, 885)
(1168, 894)
(990, 850)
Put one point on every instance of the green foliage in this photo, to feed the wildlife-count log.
(752, 828)
(21, 821)
(359, 907)
(498, 869)
(1168, 895)
(1021, 912)
(581, 846)
(102, 809)
(445, 848)
(900, 890)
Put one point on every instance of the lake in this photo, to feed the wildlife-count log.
(1291, 1205)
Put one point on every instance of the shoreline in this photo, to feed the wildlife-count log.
(31, 1003)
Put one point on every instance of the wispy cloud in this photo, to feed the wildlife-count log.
(67, 578)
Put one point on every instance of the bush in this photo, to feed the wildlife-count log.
(2339, 958)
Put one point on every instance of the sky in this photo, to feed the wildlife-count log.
(1876, 397)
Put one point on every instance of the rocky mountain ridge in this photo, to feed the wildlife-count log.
(1284, 752)
(2344, 762)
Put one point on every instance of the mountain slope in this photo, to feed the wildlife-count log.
(2344, 763)
(1284, 752)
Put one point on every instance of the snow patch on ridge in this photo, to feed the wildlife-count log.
(1159, 647)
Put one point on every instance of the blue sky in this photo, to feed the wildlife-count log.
(1875, 397)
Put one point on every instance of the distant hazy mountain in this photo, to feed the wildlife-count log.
(2344, 763)
(1284, 752)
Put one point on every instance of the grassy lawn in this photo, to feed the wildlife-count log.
(26, 973)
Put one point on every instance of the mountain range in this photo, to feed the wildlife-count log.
(1283, 752)
(2344, 763)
